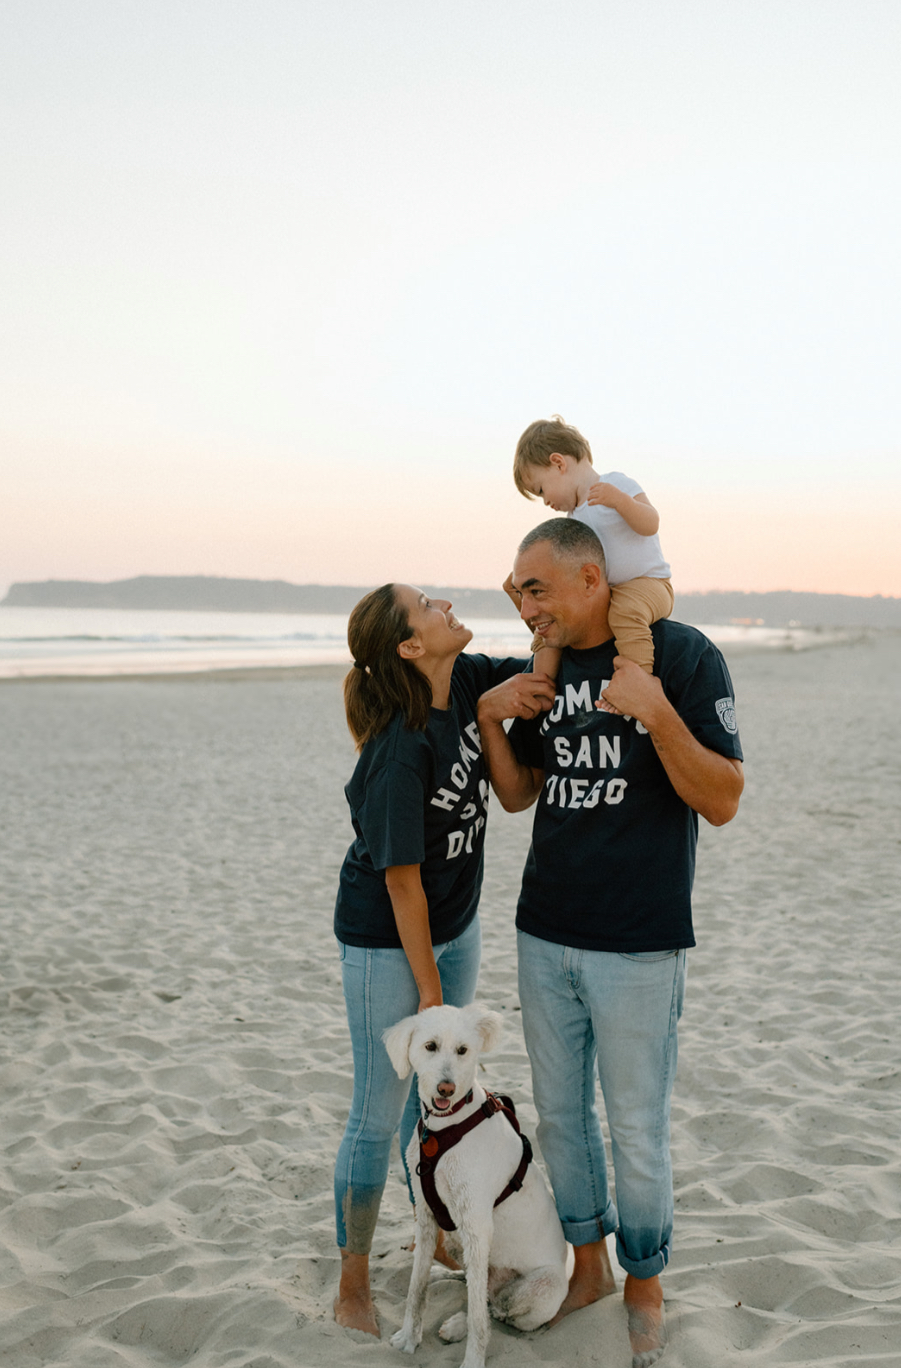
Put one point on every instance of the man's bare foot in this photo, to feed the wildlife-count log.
(442, 1256)
(647, 1327)
(354, 1307)
(592, 1278)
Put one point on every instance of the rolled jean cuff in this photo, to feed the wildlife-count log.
(589, 1232)
(641, 1268)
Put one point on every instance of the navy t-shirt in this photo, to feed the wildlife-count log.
(612, 859)
(421, 797)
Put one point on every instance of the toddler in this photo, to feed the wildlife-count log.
(553, 462)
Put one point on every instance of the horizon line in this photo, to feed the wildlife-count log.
(364, 588)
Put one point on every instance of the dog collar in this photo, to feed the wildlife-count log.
(450, 1111)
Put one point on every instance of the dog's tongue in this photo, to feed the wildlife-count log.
(440, 1103)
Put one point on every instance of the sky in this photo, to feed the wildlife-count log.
(283, 282)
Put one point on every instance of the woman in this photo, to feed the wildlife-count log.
(409, 889)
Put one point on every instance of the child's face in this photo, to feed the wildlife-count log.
(557, 483)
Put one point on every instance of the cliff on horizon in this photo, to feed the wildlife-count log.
(219, 594)
(213, 593)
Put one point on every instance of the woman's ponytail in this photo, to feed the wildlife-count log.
(380, 683)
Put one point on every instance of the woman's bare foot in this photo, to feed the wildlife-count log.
(647, 1326)
(354, 1307)
(592, 1278)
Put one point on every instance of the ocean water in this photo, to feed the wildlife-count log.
(92, 642)
(108, 641)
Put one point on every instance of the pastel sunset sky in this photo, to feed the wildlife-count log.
(283, 281)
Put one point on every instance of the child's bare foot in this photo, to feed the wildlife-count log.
(647, 1326)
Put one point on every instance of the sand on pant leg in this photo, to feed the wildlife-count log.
(175, 1067)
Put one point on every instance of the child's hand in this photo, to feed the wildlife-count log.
(604, 493)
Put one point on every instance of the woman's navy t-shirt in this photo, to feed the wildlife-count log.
(421, 797)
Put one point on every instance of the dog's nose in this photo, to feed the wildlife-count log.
(446, 1088)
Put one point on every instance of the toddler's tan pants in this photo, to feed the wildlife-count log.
(634, 605)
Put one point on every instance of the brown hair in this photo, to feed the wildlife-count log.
(540, 441)
(381, 684)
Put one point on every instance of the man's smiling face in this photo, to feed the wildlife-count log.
(564, 601)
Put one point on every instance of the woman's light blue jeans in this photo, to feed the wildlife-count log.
(379, 990)
(583, 1009)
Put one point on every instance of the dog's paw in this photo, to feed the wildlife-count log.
(454, 1329)
(406, 1340)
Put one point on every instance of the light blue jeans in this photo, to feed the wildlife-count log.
(379, 989)
(583, 1009)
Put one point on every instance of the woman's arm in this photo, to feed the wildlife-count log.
(411, 913)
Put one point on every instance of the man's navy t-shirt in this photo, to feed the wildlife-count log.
(612, 859)
(421, 797)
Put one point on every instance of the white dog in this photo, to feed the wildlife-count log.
(514, 1253)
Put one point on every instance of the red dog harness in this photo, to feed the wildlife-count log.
(432, 1146)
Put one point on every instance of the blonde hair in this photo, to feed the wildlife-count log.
(540, 441)
(382, 684)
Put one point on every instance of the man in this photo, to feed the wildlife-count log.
(604, 916)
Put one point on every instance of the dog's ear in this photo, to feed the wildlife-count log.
(397, 1042)
(490, 1026)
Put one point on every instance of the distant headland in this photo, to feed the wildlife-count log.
(214, 593)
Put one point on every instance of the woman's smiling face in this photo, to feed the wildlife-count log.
(433, 625)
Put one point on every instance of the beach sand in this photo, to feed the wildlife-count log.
(175, 1066)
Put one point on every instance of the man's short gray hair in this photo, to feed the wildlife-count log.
(570, 540)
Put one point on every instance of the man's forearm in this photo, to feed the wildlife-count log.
(527, 696)
(516, 785)
(707, 781)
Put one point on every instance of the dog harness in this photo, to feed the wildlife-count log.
(433, 1145)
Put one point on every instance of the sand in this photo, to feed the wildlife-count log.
(175, 1067)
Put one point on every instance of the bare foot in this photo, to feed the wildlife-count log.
(356, 1314)
(592, 1278)
(442, 1256)
(647, 1327)
(354, 1307)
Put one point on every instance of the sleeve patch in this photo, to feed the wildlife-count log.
(726, 712)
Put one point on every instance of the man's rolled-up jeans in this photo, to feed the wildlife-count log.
(587, 1010)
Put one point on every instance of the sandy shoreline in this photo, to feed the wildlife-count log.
(175, 1065)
